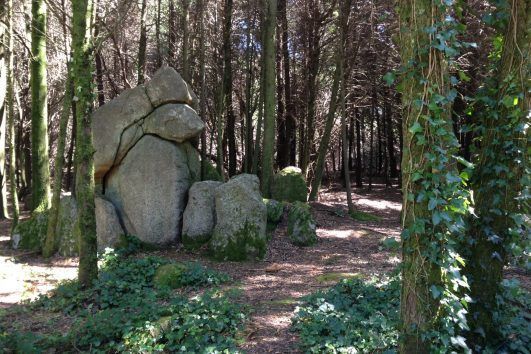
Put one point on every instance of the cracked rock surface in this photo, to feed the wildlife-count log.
(144, 163)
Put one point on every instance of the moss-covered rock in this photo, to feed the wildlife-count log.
(275, 210)
(241, 218)
(301, 225)
(289, 185)
(169, 276)
(29, 234)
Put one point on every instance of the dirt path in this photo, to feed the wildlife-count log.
(271, 287)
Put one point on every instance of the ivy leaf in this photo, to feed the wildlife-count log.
(435, 292)
(415, 128)
(436, 218)
(389, 78)
(432, 204)
(459, 341)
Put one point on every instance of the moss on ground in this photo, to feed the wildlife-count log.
(169, 276)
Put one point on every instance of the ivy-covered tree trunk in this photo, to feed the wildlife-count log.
(270, 20)
(82, 75)
(431, 188)
(40, 177)
(500, 175)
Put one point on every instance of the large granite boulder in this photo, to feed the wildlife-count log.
(108, 228)
(289, 185)
(199, 216)
(241, 217)
(149, 189)
(109, 122)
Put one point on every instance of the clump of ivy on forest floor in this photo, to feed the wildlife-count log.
(362, 316)
(125, 312)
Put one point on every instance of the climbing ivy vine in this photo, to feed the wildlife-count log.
(436, 197)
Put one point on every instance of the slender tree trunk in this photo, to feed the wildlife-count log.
(11, 116)
(227, 87)
(39, 109)
(359, 181)
(249, 81)
(157, 34)
(82, 74)
(4, 53)
(344, 14)
(202, 78)
(497, 184)
(186, 42)
(70, 168)
(53, 214)
(142, 44)
(325, 140)
(270, 14)
(172, 34)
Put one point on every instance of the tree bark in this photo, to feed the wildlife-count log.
(270, 14)
(40, 177)
(82, 74)
(53, 214)
(142, 44)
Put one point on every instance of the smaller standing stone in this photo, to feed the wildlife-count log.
(167, 86)
(301, 225)
(108, 226)
(199, 217)
(68, 245)
(289, 185)
(241, 217)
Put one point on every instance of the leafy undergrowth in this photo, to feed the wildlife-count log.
(360, 316)
(125, 312)
(353, 316)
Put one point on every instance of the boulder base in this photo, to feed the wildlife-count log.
(108, 226)
(301, 226)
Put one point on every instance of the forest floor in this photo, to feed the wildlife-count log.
(272, 287)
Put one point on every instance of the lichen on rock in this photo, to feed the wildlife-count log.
(169, 275)
(240, 231)
(301, 225)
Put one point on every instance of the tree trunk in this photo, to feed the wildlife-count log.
(4, 53)
(359, 181)
(270, 20)
(172, 34)
(40, 177)
(227, 87)
(497, 181)
(421, 264)
(186, 42)
(142, 44)
(344, 14)
(325, 140)
(53, 214)
(10, 109)
(82, 74)
(202, 78)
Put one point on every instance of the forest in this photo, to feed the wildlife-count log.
(265, 176)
